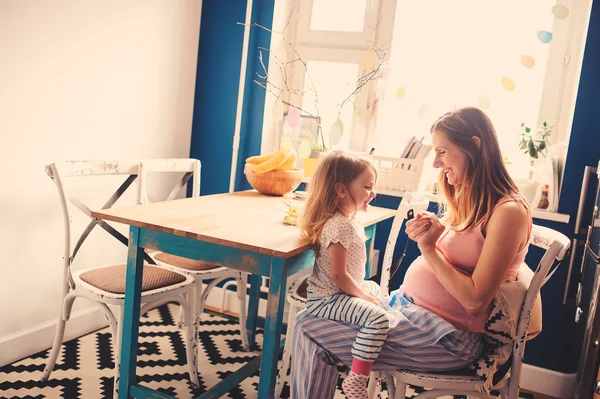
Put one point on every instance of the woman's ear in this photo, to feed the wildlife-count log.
(340, 190)
(477, 141)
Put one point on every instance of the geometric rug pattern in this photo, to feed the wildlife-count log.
(84, 368)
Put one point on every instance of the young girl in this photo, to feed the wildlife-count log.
(343, 185)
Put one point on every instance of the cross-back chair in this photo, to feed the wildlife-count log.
(296, 293)
(105, 285)
(556, 246)
(200, 271)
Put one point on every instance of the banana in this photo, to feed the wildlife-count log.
(258, 159)
(273, 162)
(289, 163)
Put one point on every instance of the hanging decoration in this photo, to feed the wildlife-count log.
(560, 11)
(304, 149)
(544, 36)
(400, 92)
(293, 117)
(527, 61)
(336, 131)
(508, 84)
(370, 61)
(484, 102)
(286, 143)
(385, 73)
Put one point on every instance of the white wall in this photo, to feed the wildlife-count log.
(80, 79)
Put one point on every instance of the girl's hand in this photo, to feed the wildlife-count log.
(428, 239)
(371, 298)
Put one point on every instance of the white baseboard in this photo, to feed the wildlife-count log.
(231, 302)
(547, 382)
(33, 340)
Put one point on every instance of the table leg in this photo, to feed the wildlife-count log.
(131, 314)
(273, 321)
(255, 283)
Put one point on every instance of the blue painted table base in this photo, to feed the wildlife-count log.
(258, 265)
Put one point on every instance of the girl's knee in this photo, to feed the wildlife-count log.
(379, 319)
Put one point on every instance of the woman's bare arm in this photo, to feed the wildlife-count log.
(506, 234)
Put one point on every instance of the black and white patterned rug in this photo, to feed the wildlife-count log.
(84, 368)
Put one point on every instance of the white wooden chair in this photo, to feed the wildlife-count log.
(556, 246)
(200, 271)
(105, 285)
(296, 293)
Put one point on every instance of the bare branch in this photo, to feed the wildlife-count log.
(266, 80)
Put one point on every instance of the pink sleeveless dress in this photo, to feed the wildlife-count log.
(463, 251)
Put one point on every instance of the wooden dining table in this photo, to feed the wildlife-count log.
(243, 230)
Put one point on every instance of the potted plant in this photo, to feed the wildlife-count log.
(532, 143)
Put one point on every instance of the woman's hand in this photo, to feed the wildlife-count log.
(415, 228)
(425, 229)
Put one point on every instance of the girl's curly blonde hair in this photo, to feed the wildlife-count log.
(323, 201)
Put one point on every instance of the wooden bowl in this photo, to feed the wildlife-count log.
(274, 182)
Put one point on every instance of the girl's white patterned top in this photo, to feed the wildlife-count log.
(351, 234)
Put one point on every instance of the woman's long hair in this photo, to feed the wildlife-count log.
(486, 180)
(323, 201)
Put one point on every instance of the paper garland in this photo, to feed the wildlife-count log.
(293, 117)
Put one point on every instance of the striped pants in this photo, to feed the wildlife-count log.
(421, 341)
(372, 320)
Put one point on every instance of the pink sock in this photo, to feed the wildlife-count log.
(361, 366)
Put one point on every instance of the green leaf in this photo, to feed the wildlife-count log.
(533, 150)
(542, 145)
(544, 123)
(522, 124)
(527, 130)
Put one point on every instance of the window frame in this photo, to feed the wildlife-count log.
(559, 91)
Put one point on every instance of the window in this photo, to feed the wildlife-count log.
(519, 61)
(332, 49)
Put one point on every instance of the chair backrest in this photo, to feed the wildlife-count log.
(188, 166)
(556, 246)
(410, 201)
(60, 172)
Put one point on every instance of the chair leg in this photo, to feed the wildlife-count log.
(56, 345)
(117, 350)
(194, 310)
(64, 314)
(241, 295)
(391, 384)
(196, 305)
(285, 358)
(180, 323)
(400, 390)
(224, 296)
(191, 342)
(372, 386)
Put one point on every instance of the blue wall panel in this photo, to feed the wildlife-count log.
(217, 81)
(584, 144)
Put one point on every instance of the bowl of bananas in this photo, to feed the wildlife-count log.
(274, 173)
